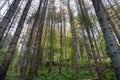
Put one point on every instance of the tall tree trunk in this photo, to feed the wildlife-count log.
(35, 55)
(61, 50)
(51, 47)
(45, 44)
(112, 45)
(61, 39)
(52, 25)
(65, 41)
(29, 44)
(40, 31)
(99, 38)
(7, 18)
(12, 23)
(10, 52)
(86, 23)
(74, 39)
(84, 40)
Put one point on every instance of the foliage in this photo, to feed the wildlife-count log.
(69, 74)
(11, 75)
(2, 54)
(110, 75)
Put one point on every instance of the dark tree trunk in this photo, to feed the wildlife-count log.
(10, 52)
(52, 25)
(7, 18)
(74, 39)
(37, 44)
(87, 24)
(40, 31)
(29, 44)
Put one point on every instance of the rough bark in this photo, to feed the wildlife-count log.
(61, 39)
(10, 52)
(35, 55)
(113, 48)
(7, 18)
(85, 22)
(74, 39)
(52, 25)
(40, 32)
(45, 44)
(29, 44)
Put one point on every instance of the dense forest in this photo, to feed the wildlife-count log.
(59, 39)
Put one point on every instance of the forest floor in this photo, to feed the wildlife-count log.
(69, 74)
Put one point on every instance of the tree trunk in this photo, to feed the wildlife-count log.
(74, 39)
(112, 45)
(45, 44)
(10, 52)
(52, 25)
(7, 18)
(61, 50)
(87, 24)
(35, 55)
(61, 39)
(29, 44)
(40, 31)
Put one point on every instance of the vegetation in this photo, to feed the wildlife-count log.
(59, 40)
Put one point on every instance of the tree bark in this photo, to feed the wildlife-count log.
(29, 44)
(74, 39)
(10, 52)
(7, 18)
(113, 49)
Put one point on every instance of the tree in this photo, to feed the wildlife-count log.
(39, 37)
(74, 39)
(7, 18)
(10, 52)
(112, 45)
(29, 43)
(52, 25)
(61, 38)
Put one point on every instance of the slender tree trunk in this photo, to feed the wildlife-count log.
(7, 18)
(14, 21)
(51, 48)
(65, 41)
(74, 39)
(52, 25)
(61, 50)
(99, 38)
(86, 21)
(34, 63)
(29, 44)
(45, 44)
(84, 41)
(61, 39)
(40, 31)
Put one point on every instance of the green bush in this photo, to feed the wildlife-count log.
(110, 75)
